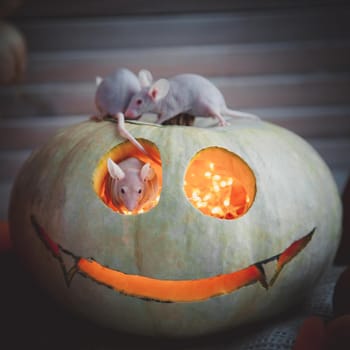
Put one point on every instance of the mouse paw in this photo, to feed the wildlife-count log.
(96, 118)
(224, 123)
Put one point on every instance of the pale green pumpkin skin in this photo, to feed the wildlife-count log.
(295, 193)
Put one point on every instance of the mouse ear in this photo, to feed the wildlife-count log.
(98, 80)
(159, 89)
(115, 171)
(145, 77)
(146, 173)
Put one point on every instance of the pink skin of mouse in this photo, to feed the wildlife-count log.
(113, 95)
(133, 183)
(184, 93)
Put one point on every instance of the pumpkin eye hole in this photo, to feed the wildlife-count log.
(220, 184)
(104, 187)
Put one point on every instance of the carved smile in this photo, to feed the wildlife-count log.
(265, 272)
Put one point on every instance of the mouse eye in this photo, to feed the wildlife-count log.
(122, 190)
(139, 102)
(139, 191)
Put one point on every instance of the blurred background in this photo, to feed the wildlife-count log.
(287, 61)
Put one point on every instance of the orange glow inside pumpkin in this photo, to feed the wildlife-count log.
(190, 290)
(119, 153)
(169, 290)
(219, 183)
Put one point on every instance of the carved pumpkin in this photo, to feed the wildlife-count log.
(246, 220)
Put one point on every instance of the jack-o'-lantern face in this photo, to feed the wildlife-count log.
(219, 184)
(235, 206)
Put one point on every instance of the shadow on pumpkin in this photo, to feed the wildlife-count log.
(53, 327)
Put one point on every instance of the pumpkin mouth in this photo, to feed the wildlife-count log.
(264, 272)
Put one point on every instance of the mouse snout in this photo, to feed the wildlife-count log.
(131, 203)
(129, 113)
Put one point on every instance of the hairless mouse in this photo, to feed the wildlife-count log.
(184, 93)
(133, 183)
(114, 92)
(113, 95)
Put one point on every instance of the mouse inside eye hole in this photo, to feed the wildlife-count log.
(132, 184)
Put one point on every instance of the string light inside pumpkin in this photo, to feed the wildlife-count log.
(223, 188)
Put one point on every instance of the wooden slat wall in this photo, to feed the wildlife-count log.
(289, 64)
(69, 8)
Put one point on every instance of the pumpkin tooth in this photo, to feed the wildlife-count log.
(271, 268)
(268, 269)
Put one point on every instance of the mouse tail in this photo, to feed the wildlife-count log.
(237, 114)
(125, 133)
